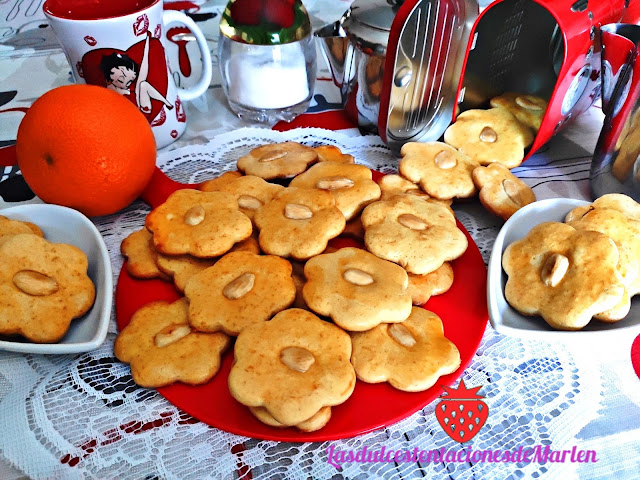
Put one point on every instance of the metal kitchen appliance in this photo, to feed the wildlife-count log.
(442, 57)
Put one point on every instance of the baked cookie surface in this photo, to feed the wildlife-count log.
(43, 287)
(356, 289)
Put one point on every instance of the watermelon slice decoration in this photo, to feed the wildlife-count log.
(265, 22)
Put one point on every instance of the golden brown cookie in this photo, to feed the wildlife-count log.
(215, 184)
(418, 235)
(392, 185)
(501, 192)
(316, 422)
(141, 255)
(298, 223)
(441, 170)
(297, 274)
(489, 136)
(43, 286)
(356, 289)
(10, 226)
(202, 224)
(562, 274)
(239, 290)
(411, 355)
(423, 287)
(351, 186)
(182, 267)
(625, 233)
(162, 349)
(251, 192)
(293, 365)
(528, 109)
(277, 160)
(331, 153)
(615, 201)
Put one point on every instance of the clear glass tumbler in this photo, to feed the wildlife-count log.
(268, 83)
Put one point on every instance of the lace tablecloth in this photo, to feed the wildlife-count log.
(81, 416)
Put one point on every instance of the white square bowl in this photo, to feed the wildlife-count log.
(507, 320)
(65, 225)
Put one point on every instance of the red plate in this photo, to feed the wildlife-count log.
(463, 310)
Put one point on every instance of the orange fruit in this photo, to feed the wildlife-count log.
(86, 147)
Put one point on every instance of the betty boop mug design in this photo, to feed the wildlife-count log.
(120, 45)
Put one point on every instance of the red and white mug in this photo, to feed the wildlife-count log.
(120, 45)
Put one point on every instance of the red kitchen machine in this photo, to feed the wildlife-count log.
(437, 58)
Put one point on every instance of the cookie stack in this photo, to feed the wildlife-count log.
(587, 267)
(479, 150)
(253, 260)
(43, 285)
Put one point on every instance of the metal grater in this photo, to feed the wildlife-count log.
(423, 77)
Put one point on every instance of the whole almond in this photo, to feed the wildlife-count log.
(402, 335)
(334, 183)
(249, 202)
(272, 155)
(488, 135)
(295, 211)
(554, 269)
(411, 221)
(194, 216)
(297, 358)
(171, 334)
(357, 277)
(445, 160)
(525, 102)
(35, 283)
(512, 190)
(239, 287)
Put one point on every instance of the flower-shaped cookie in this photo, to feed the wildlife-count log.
(43, 286)
(528, 109)
(293, 365)
(416, 234)
(277, 160)
(441, 170)
(251, 192)
(392, 185)
(141, 255)
(203, 224)
(182, 267)
(316, 422)
(162, 349)
(614, 201)
(423, 287)
(411, 355)
(489, 136)
(562, 274)
(351, 185)
(356, 289)
(331, 153)
(9, 226)
(625, 233)
(242, 288)
(501, 192)
(298, 223)
(216, 183)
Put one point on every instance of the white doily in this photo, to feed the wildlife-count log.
(82, 416)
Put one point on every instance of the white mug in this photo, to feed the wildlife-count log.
(120, 45)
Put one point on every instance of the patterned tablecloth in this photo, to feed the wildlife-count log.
(81, 416)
